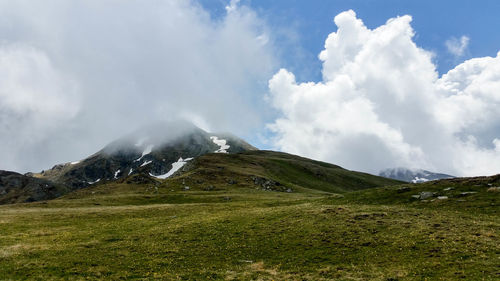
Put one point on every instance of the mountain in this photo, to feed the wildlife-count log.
(157, 150)
(413, 176)
(17, 188)
(195, 159)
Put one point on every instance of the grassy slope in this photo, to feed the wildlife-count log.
(292, 171)
(478, 200)
(129, 231)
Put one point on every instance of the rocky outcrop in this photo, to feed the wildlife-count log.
(269, 185)
(17, 188)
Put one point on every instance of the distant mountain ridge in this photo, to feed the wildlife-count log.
(413, 176)
(157, 150)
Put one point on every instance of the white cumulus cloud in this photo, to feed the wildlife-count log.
(75, 75)
(382, 104)
(35, 99)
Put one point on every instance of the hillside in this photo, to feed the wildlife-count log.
(16, 188)
(270, 170)
(475, 194)
(145, 228)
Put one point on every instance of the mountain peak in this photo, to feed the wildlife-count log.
(152, 135)
(158, 149)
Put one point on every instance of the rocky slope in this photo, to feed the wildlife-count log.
(17, 188)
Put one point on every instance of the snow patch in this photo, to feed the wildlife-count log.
(221, 143)
(175, 167)
(130, 172)
(146, 151)
(116, 173)
(145, 163)
(76, 162)
(419, 180)
(92, 182)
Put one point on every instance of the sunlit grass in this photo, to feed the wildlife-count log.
(238, 233)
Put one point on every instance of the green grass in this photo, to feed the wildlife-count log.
(120, 231)
(478, 200)
(292, 171)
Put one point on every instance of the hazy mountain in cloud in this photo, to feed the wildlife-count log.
(382, 104)
(413, 176)
(74, 74)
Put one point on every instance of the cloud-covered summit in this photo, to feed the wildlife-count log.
(77, 74)
(382, 104)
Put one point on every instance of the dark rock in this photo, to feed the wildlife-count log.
(17, 188)
(268, 184)
(209, 188)
(403, 189)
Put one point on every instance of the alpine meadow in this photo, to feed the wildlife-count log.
(249, 140)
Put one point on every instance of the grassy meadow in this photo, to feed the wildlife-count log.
(233, 231)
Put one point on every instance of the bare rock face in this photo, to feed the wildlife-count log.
(17, 188)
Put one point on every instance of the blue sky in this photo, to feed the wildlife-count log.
(433, 21)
